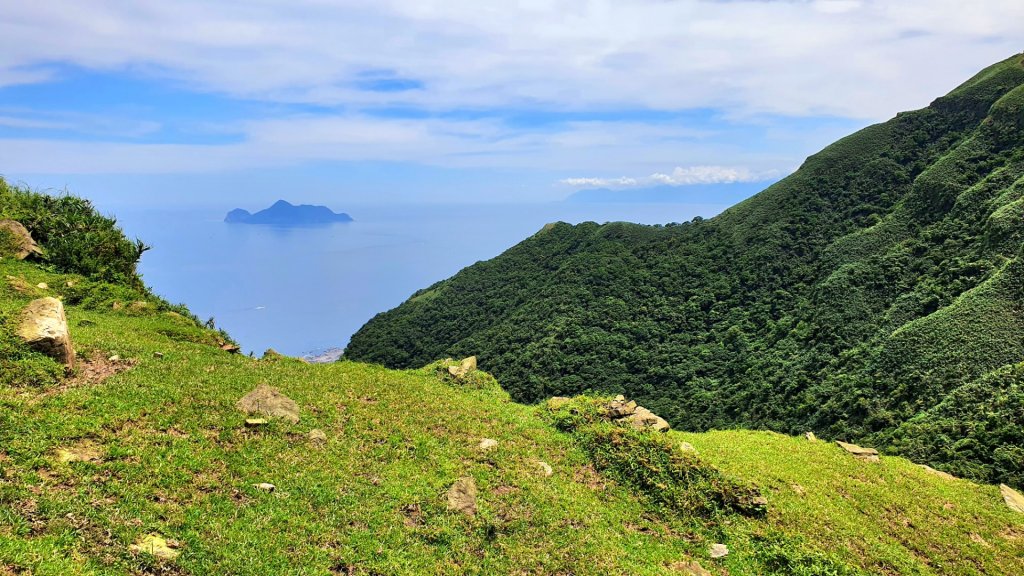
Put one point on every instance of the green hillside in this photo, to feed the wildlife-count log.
(874, 295)
(139, 461)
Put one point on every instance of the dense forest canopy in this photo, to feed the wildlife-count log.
(873, 295)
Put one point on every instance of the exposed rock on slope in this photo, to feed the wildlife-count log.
(23, 244)
(45, 327)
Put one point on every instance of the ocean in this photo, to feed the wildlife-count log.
(306, 290)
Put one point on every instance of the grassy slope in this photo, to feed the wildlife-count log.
(849, 298)
(176, 459)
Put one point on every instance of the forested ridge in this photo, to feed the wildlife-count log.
(874, 295)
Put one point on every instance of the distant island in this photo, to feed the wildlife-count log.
(697, 193)
(283, 213)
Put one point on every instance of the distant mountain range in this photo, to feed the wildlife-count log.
(283, 213)
(695, 193)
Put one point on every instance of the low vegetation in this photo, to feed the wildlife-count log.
(873, 295)
(138, 461)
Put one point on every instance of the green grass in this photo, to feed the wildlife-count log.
(176, 459)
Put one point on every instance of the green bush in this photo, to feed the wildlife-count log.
(76, 238)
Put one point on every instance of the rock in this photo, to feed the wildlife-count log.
(45, 328)
(317, 437)
(644, 419)
(939, 473)
(462, 496)
(545, 468)
(24, 246)
(265, 487)
(464, 368)
(1012, 498)
(558, 402)
(867, 454)
(43, 286)
(487, 444)
(158, 355)
(619, 408)
(689, 568)
(687, 447)
(810, 436)
(156, 546)
(718, 551)
(269, 401)
(255, 422)
(798, 489)
(114, 358)
(230, 348)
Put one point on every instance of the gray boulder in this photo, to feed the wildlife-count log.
(269, 401)
(462, 496)
(24, 246)
(45, 328)
(644, 419)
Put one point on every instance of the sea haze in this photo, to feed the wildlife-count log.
(305, 290)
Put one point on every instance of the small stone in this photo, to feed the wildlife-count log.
(866, 454)
(718, 551)
(114, 358)
(939, 473)
(487, 444)
(158, 355)
(265, 487)
(1014, 500)
(43, 286)
(317, 437)
(798, 489)
(687, 447)
(156, 546)
(230, 348)
(255, 422)
(810, 436)
(462, 496)
(545, 468)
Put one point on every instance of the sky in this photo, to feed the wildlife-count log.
(240, 102)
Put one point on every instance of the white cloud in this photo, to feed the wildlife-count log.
(845, 57)
(679, 176)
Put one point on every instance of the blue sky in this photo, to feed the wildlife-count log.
(241, 102)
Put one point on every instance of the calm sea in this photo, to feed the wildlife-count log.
(305, 290)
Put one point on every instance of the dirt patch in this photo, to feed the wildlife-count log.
(83, 451)
(590, 478)
(503, 490)
(90, 372)
(95, 370)
(412, 515)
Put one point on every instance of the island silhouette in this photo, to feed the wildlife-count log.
(283, 213)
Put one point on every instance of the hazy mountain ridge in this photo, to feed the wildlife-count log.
(853, 298)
